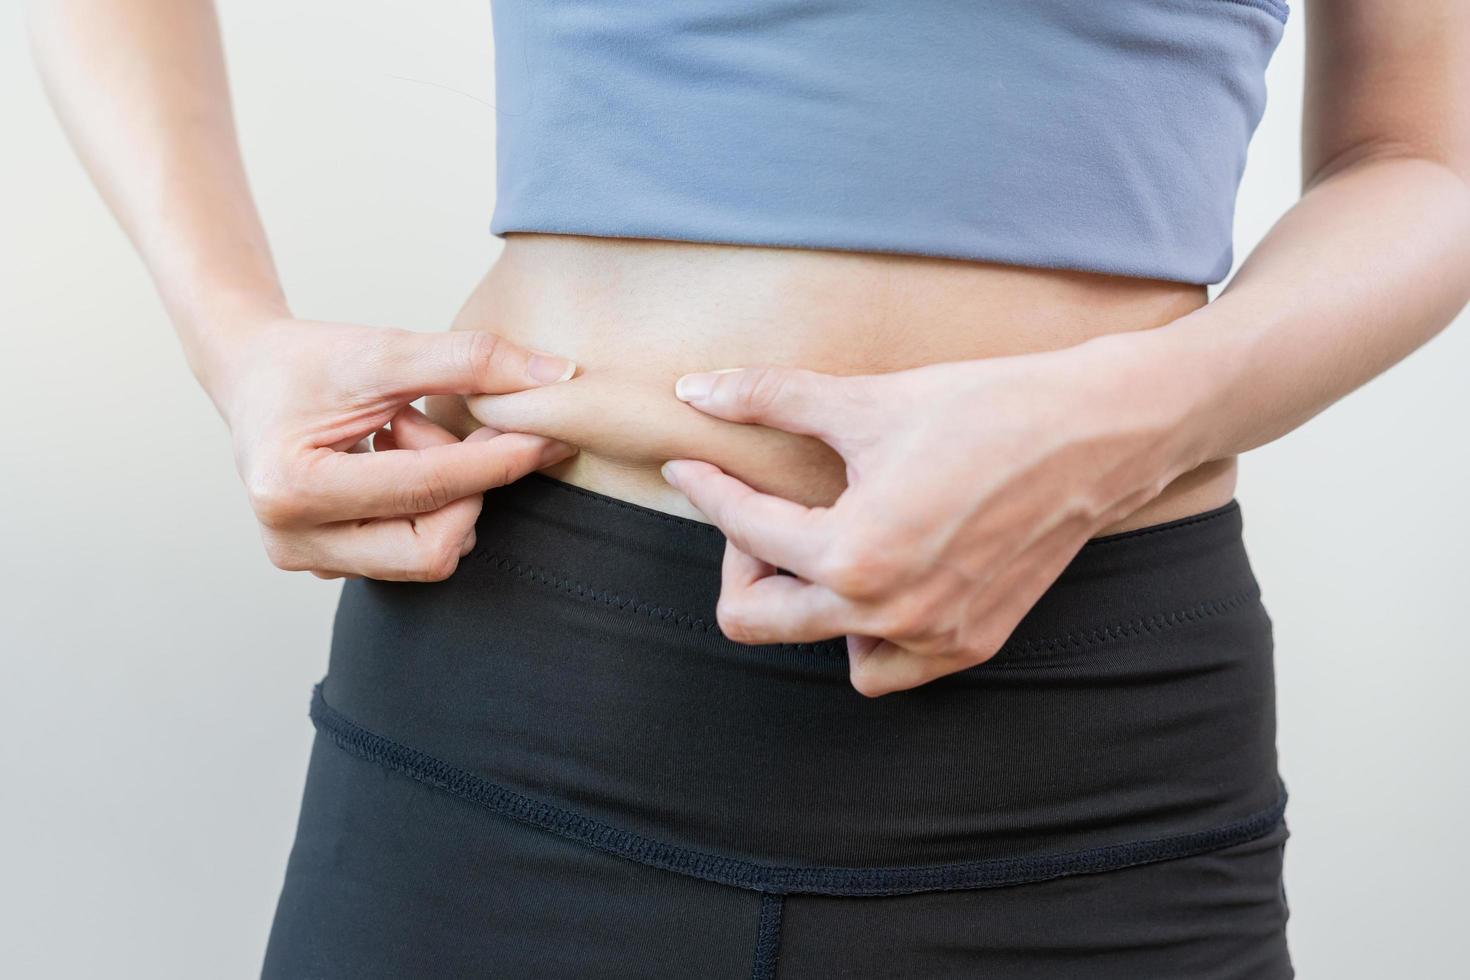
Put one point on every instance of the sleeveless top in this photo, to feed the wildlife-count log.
(1100, 135)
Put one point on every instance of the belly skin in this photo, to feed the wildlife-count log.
(636, 314)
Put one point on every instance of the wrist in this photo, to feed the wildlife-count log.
(1182, 378)
(216, 328)
(218, 291)
(215, 323)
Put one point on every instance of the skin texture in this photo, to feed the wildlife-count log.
(637, 314)
(925, 444)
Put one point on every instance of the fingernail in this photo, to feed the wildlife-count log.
(669, 472)
(692, 387)
(548, 369)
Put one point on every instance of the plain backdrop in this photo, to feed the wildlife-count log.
(156, 668)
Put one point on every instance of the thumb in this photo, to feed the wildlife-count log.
(464, 362)
(413, 429)
(790, 399)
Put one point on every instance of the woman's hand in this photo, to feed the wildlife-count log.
(335, 491)
(971, 485)
(298, 396)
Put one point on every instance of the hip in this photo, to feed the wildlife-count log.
(573, 661)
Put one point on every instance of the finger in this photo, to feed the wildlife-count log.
(346, 486)
(435, 534)
(792, 399)
(450, 412)
(412, 429)
(771, 528)
(418, 431)
(456, 520)
(740, 570)
(783, 609)
(425, 433)
(463, 362)
(382, 441)
(452, 526)
(879, 667)
(760, 605)
(421, 481)
(396, 549)
(415, 430)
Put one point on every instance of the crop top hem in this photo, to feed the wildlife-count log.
(880, 245)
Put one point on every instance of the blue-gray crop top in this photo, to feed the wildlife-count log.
(1102, 135)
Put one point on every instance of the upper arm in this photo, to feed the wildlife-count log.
(1386, 78)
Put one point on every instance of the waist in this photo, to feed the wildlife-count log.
(636, 314)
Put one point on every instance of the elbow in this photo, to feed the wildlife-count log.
(1385, 150)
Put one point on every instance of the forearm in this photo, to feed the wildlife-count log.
(141, 90)
(1372, 262)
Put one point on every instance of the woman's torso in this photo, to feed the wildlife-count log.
(635, 314)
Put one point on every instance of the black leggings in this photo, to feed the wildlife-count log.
(554, 765)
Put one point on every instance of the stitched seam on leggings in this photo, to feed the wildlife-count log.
(674, 617)
(1138, 626)
(777, 879)
(1072, 640)
(767, 937)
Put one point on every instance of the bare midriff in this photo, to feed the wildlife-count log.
(636, 314)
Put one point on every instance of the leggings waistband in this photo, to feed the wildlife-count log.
(570, 675)
(667, 568)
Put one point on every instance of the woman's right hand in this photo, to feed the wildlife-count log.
(345, 476)
(299, 396)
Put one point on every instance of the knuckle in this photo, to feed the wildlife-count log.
(482, 351)
(759, 389)
(428, 493)
(435, 564)
(505, 469)
(765, 388)
(983, 654)
(860, 569)
(910, 614)
(733, 621)
(867, 681)
(284, 556)
(980, 645)
(275, 501)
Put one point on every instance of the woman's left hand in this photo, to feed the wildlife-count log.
(971, 485)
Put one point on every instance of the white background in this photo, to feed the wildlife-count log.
(155, 670)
